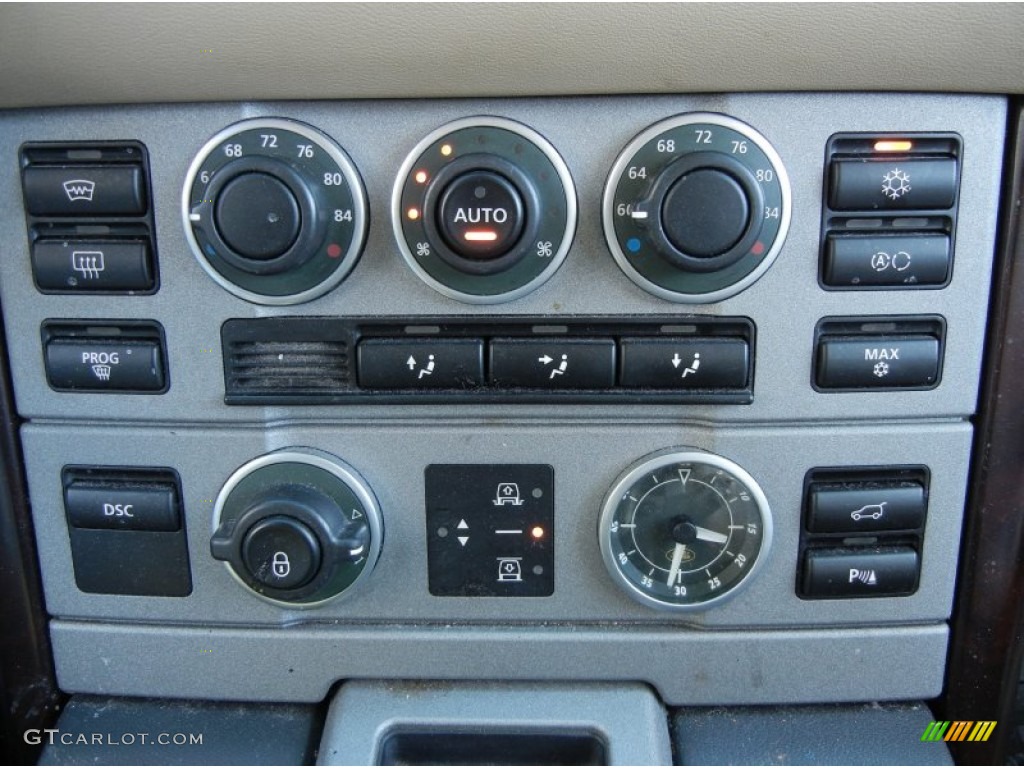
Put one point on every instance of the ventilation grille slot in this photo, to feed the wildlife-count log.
(287, 367)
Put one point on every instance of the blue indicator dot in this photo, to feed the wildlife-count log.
(209, 250)
(633, 244)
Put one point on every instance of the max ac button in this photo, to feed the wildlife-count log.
(878, 362)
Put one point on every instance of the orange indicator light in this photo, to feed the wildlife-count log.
(894, 146)
(413, 213)
(421, 177)
(446, 149)
(537, 532)
(480, 236)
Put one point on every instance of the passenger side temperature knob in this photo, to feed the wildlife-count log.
(297, 527)
(696, 208)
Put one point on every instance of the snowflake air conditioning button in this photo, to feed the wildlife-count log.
(892, 184)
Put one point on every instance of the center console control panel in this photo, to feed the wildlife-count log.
(502, 388)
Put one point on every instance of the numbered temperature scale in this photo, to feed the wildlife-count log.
(274, 211)
(696, 208)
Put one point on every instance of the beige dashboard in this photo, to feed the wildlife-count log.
(64, 54)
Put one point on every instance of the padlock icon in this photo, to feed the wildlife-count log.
(281, 565)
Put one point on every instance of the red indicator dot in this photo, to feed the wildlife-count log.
(758, 248)
(334, 250)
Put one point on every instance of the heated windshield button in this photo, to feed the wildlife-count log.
(113, 190)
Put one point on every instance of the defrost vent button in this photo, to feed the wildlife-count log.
(84, 190)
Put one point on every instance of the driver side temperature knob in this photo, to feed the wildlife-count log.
(275, 211)
(297, 527)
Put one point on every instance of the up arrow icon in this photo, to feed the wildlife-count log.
(411, 362)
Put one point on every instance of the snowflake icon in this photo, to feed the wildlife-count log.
(881, 369)
(895, 184)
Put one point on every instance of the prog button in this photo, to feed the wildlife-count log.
(105, 365)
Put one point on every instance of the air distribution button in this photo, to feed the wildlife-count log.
(481, 215)
(258, 216)
(705, 213)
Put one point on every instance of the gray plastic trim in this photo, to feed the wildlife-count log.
(686, 668)
(352, 178)
(628, 718)
(608, 206)
(563, 174)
